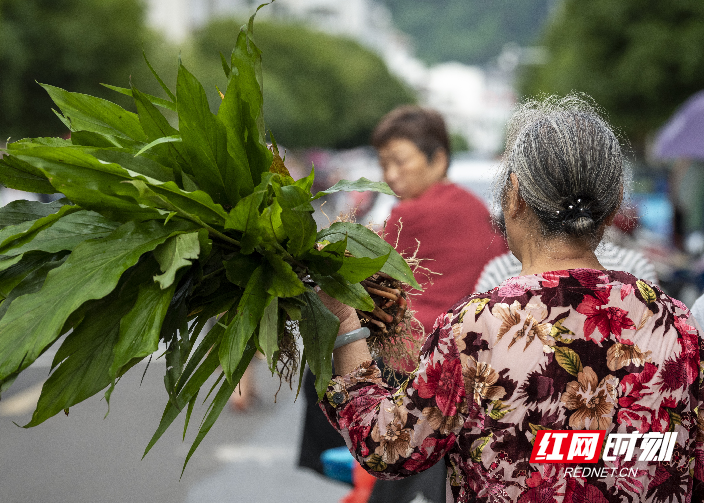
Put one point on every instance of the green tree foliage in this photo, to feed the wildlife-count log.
(468, 31)
(74, 44)
(320, 90)
(639, 59)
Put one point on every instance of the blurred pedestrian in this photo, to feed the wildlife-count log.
(439, 222)
(436, 220)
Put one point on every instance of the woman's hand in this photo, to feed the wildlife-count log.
(349, 356)
(346, 314)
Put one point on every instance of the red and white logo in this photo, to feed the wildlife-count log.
(584, 446)
(573, 446)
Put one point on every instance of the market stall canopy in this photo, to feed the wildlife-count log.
(682, 137)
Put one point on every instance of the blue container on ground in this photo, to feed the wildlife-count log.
(338, 463)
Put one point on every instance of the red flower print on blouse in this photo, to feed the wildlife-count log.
(679, 304)
(684, 328)
(551, 279)
(358, 436)
(545, 487)
(634, 387)
(626, 290)
(512, 288)
(590, 278)
(604, 318)
(358, 407)
(682, 370)
(637, 385)
(445, 383)
(431, 451)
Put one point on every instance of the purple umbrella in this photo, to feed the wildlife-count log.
(682, 137)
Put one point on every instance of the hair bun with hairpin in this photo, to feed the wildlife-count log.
(575, 208)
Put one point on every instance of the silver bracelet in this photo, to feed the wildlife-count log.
(349, 337)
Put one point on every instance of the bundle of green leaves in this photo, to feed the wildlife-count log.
(160, 230)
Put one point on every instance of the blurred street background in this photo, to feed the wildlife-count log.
(331, 70)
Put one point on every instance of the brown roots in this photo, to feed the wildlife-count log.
(395, 333)
(288, 356)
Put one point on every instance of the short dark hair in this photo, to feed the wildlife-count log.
(423, 126)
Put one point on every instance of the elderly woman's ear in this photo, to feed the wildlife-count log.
(514, 205)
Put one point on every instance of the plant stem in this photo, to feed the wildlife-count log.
(220, 235)
(210, 275)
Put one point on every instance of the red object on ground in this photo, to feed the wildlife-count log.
(455, 231)
(363, 485)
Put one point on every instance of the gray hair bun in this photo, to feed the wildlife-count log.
(568, 162)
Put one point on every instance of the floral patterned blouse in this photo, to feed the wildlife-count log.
(579, 349)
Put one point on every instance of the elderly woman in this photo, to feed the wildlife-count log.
(565, 346)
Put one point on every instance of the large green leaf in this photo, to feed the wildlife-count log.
(93, 269)
(249, 311)
(98, 186)
(245, 217)
(230, 114)
(280, 279)
(140, 327)
(356, 269)
(318, 328)
(246, 80)
(221, 399)
(96, 114)
(81, 365)
(338, 287)
(362, 242)
(156, 126)
(174, 254)
(205, 140)
(20, 175)
(88, 354)
(143, 164)
(63, 233)
(10, 239)
(360, 185)
(269, 332)
(197, 205)
(297, 219)
(88, 182)
(169, 105)
(29, 280)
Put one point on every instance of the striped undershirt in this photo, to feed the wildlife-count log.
(611, 256)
